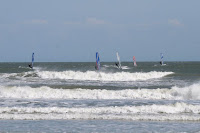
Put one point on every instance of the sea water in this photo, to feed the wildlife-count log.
(74, 97)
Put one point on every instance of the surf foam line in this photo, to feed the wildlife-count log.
(103, 76)
(49, 93)
(18, 75)
(177, 111)
(45, 92)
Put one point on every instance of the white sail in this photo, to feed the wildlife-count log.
(118, 58)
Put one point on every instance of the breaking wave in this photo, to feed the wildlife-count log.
(103, 76)
(44, 92)
(177, 111)
(48, 93)
(188, 92)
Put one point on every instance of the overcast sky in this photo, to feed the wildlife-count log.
(74, 30)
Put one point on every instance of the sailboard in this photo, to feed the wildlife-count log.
(134, 61)
(161, 59)
(31, 65)
(119, 62)
(97, 67)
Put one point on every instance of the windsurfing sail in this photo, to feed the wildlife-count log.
(97, 67)
(31, 65)
(32, 59)
(161, 58)
(134, 61)
(119, 63)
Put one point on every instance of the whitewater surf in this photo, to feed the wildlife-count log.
(68, 91)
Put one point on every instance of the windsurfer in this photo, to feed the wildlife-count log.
(117, 64)
(30, 65)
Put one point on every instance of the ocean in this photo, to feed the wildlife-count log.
(74, 97)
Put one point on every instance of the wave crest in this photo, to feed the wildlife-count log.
(92, 75)
(188, 92)
(45, 92)
(177, 111)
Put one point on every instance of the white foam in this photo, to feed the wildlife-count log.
(49, 93)
(93, 75)
(177, 111)
(188, 92)
(176, 108)
(6, 75)
(44, 92)
(106, 66)
(23, 67)
(125, 67)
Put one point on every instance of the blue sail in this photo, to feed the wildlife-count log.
(161, 58)
(32, 59)
(97, 61)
